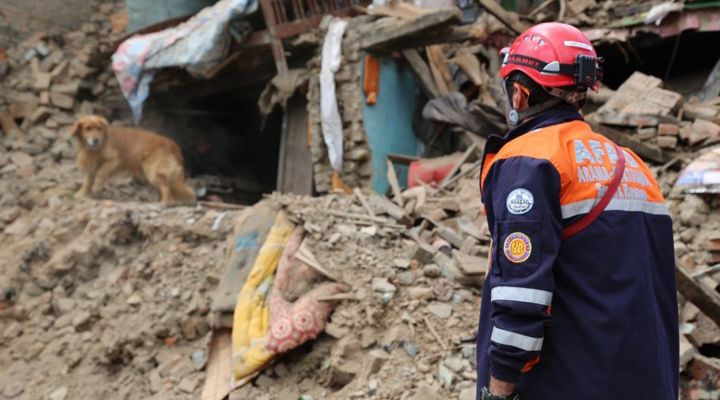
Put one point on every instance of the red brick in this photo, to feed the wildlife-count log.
(668, 129)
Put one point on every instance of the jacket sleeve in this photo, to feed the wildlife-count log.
(522, 197)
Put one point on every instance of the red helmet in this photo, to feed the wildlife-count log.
(553, 55)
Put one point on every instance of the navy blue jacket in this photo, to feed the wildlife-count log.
(590, 317)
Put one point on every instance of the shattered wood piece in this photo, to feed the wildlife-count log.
(471, 265)
(644, 150)
(422, 71)
(390, 209)
(470, 169)
(705, 272)
(440, 70)
(434, 333)
(360, 217)
(398, 32)
(703, 130)
(466, 156)
(363, 201)
(394, 184)
(419, 193)
(8, 125)
(470, 65)
(306, 256)
(508, 18)
(540, 7)
(410, 206)
(707, 300)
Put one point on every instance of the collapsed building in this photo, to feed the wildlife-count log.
(378, 110)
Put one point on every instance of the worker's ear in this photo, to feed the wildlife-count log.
(521, 96)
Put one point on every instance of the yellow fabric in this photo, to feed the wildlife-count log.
(251, 318)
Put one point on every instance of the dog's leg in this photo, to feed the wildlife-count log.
(86, 188)
(104, 172)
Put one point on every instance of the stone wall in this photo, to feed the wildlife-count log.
(357, 165)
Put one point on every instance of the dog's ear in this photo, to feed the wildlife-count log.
(75, 130)
(104, 122)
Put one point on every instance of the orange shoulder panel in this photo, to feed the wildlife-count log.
(585, 161)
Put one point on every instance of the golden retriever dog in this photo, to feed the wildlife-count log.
(104, 150)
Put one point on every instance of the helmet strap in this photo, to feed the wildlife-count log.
(515, 117)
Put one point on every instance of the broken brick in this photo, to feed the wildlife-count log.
(666, 129)
(62, 100)
(667, 142)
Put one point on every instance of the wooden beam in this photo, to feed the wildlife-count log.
(468, 153)
(422, 71)
(509, 19)
(440, 70)
(644, 150)
(394, 183)
(706, 299)
(383, 38)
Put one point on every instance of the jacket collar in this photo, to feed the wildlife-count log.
(557, 115)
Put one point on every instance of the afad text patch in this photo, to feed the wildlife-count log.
(517, 247)
(519, 201)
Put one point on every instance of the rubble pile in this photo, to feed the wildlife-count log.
(112, 293)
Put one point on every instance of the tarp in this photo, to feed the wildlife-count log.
(198, 45)
(329, 114)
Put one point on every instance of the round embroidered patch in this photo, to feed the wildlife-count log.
(517, 247)
(519, 201)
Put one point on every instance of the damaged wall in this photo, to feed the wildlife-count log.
(357, 165)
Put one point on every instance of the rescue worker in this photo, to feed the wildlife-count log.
(580, 298)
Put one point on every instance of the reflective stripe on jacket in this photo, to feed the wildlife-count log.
(591, 317)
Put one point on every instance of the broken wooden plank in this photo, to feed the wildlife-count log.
(394, 183)
(470, 65)
(397, 33)
(644, 150)
(363, 201)
(390, 208)
(468, 153)
(706, 299)
(422, 71)
(462, 174)
(451, 34)
(508, 18)
(440, 70)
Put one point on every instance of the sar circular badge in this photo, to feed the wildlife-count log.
(517, 247)
(519, 201)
